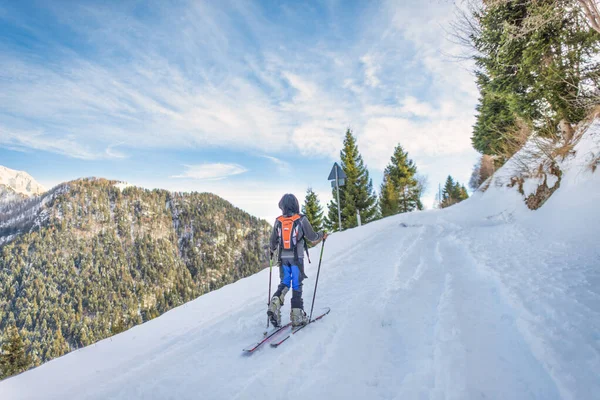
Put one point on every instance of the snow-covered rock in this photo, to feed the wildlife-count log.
(19, 182)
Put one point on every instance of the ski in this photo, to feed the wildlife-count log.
(250, 349)
(276, 344)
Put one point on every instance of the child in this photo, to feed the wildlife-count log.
(288, 235)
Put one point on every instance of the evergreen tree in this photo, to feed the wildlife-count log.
(313, 210)
(388, 197)
(13, 358)
(331, 220)
(59, 345)
(453, 193)
(536, 65)
(460, 192)
(400, 191)
(448, 192)
(357, 194)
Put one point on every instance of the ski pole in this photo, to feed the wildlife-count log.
(317, 281)
(270, 278)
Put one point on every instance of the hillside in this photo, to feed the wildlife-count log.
(88, 259)
(485, 299)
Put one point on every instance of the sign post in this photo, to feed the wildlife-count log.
(338, 176)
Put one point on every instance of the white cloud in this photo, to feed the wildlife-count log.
(370, 70)
(412, 106)
(22, 140)
(112, 152)
(215, 171)
(319, 137)
(283, 167)
(306, 89)
(432, 138)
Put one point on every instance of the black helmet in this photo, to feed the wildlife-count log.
(289, 204)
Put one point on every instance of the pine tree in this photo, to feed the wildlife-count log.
(535, 64)
(59, 345)
(453, 193)
(313, 210)
(13, 358)
(447, 193)
(463, 195)
(331, 220)
(357, 194)
(388, 197)
(400, 191)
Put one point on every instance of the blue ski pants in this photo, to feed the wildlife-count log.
(292, 275)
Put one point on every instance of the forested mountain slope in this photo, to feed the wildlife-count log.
(88, 259)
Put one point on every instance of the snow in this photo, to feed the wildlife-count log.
(485, 299)
(122, 185)
(530, 185)
(8, 195)
(19, 181)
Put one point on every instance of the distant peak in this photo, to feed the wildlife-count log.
(20, 182)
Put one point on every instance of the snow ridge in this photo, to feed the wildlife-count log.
(20, 182)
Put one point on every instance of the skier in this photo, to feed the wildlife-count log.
(289, 235)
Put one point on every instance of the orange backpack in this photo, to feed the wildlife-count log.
(289, 235)
(288, 231)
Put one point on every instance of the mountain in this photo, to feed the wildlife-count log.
(93, 257)
(484, 299)
(16, 185)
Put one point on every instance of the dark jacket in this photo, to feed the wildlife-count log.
(289, 206)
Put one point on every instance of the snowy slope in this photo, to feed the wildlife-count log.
(19, 182)
(485, 299)
(8, 195)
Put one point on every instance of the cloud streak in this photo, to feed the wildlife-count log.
(283, 167)
(25, 141)
(211, 172)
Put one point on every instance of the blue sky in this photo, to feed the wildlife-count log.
(245, 99)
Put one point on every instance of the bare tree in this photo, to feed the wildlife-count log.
(482, 171)
(465, 27)
(422, 183)
(591, 9)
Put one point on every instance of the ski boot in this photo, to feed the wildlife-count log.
(274, 312)
(298, 317)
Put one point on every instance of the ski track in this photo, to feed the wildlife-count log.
(556, 318)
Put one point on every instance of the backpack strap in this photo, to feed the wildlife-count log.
(279, 243)
(306, 250)
(305, 244)
(296, 230)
